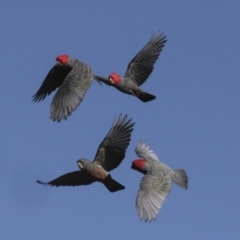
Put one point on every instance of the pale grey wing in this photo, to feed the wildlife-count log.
(141, 66)
(76, 178)
(150, 197)
(112, 149)
(145, 152)
(69, 95)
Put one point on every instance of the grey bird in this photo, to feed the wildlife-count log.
(156, 184)
(109, 155)
(138, 70)
(72, 78)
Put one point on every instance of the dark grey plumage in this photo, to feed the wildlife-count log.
(138, 70)
(72, 78)
(109, 155)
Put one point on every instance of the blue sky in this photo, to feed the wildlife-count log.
(192, 124)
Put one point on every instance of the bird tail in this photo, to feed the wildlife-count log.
(180, 178)
(112, 185)
(146, 97)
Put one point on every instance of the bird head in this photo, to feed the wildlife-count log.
(62, 60)
(82, 163)
(139, 165)
(114, 78)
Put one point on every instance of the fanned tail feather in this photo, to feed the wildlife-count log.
(112, 185)
(146, 97)
(180, 178)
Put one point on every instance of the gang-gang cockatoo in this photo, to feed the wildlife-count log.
(72, 78)
(109, 155)
(138, 70)
(156, 184)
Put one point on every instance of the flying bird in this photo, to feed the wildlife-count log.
(72, 78)
(156, 184)
(109, 155)
(138, 70)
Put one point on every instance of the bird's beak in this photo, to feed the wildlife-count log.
(80, 165)
(58, 63)
(111, 81)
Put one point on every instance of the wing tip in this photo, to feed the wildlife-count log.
(35, 98)
(43, 183)
(38, 97)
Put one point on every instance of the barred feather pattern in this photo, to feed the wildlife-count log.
(71, 93)
(156, 184)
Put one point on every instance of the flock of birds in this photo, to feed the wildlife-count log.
(73, 78)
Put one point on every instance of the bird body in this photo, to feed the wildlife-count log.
(109, 155)
(99, 174)
(129, 87)
(156, 183)
(95, 170)
(138, 70)
(72, 78)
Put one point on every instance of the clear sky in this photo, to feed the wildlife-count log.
(192, 124)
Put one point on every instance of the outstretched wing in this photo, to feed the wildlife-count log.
(100, 79)
(112, 149)
(70, 94)
(142, 64)
(151, 196)
(53, 80)
(76, 178)
(145, 152)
